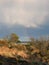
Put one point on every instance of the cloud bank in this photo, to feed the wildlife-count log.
(28, 13)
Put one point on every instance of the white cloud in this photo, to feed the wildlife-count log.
(29, 13)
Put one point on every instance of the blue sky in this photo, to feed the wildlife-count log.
(26, 18)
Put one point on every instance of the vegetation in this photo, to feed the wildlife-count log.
(12, 38)
(37, 52)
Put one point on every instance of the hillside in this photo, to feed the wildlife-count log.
(29, 53)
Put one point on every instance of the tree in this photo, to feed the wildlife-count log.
(32, 41)
(14, 38)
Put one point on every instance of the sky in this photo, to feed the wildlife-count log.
(27, 18)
